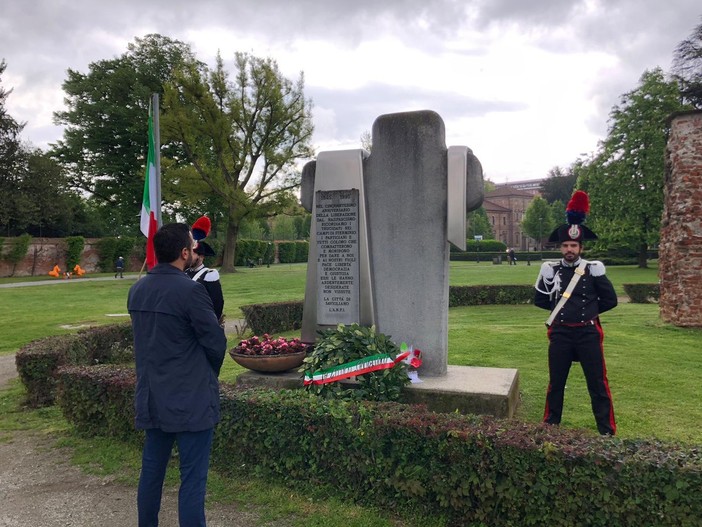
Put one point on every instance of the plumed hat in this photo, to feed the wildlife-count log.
(574, 230)
(204, 249)
(201, 228)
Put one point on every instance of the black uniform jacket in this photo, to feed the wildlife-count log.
(594, 293)
(210, 279)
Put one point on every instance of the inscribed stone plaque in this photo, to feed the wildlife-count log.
(336, 217)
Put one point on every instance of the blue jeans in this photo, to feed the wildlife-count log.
(194, 454)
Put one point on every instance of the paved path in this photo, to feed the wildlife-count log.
(58, 281)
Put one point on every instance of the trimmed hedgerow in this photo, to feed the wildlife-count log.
(466, 469)
(38, 361)
(287, 316)
(642, 293)
(98, 400)
(275, 317)
(474, 295)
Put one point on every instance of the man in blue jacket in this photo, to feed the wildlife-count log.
(179, 348)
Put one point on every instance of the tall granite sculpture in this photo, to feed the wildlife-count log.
(381, 224)
(680, 254)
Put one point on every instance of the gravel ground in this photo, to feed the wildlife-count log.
(39, 487)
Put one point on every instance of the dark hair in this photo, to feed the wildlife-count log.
(170, 240)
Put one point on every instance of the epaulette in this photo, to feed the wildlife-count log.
(547, 270)
(212, 275)
(597, 268)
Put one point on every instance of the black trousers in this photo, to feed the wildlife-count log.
(579, 344)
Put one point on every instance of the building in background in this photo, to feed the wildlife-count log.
(505, 207)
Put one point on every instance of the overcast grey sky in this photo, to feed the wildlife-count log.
(526, 84)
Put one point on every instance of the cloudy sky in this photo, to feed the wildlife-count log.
(526, 84)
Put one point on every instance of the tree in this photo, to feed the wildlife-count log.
(11, 155)
(104, 141)
(558, 185)
(479, 225)
(538, 220)
(625, 178)
(244, 138)
(687, 67)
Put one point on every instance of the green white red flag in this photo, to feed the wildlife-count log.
(150, 201)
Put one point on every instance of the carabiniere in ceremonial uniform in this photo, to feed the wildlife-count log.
(577, 292)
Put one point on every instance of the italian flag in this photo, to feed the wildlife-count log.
(149, 203)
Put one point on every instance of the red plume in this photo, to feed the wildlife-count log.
(580, 202)
(201, 228)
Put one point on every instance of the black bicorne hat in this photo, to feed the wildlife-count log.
(574, 230)
(204, 249)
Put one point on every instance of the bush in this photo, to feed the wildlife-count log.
(467, 469)
(475, 295)
(293, 252)
(287, 316)
(98, 400)
(74, 248)
(470, 470)
(273, 318)
(38, 361)
(111, 248)
(642, 293)
(18, 250)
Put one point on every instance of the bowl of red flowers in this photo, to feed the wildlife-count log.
(265, 354)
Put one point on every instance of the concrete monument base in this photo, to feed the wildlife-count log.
(467, 389)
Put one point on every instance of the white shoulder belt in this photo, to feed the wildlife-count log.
(579, 272)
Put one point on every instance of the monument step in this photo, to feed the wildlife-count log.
(466, 389)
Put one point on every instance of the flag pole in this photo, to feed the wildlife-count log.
(157, 155)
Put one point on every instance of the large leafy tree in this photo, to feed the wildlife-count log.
(558, 185)
(11, 156)
(104, 141)
(243, 136)
(687, 67)
(625, 178)
(538, 220)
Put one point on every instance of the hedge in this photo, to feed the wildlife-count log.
(286, 316)
(407, 460)
(642, 293)
(271, 318)
(38, 361)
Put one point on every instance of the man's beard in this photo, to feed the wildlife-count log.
(570, 257)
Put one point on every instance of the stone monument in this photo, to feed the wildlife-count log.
(680, 253)
(381, 227)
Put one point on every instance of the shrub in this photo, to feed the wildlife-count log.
(470, 470)
(110, 248)
(74, 248)
(642, 293)
(273, 318)
(345, 344)
(18, 250)
(38, 361)
(469, 295)
(98, 400)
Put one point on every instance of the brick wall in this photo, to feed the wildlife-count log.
(680, 256)
(44, 253)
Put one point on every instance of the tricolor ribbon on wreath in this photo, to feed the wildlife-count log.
(381, 361)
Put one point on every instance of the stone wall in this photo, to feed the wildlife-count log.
(680, 256)
(44, 253)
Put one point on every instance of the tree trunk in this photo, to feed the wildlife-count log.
(229, 256)
(643, 256)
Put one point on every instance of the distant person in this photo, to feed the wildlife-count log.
(179, 348)
(576, 292)
(119, 267)
(512, 256)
